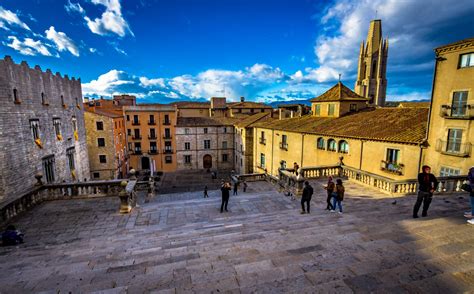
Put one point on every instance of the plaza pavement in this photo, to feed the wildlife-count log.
(180, 243)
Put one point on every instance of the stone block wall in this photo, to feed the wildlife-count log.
(40, 96)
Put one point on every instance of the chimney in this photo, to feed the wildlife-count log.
(242, 99)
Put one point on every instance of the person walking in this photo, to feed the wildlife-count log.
(338, 196)
(205, 192)
(225, 192)
(329, 189)
(236, 186)
(245, 186)
(306, 198)
(470, 214)
(427, 184)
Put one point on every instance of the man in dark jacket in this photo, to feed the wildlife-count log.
(225, 190)
(307, 194)
(427, 184)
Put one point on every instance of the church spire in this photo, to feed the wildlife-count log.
(371, 74)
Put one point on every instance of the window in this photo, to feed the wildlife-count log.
(16, 99)
(167, 133)
(136, 134)
(225, 157)
(70, 158)
(48, 168)
(331, 109)
(168, 147)
(459, 104)
(57, 126)
(224, 144)
(129, 132)
(449, 172)
(187, 159)
(102, 158)
(393, 156)
(317, 109)
(207, 144)
(241, 148)
(138, 148)
(101, 142)
(320, 143)
(332, 146)
(152, 119)
(454, 140)
(343, 146)
(187, 146)
(135, 120)
(186, 131)
(115, 125)
(466, 60)
(34, 125)
(128, 117)
(283, 143)
(167, 119)
(225, 130)
(100, 126)
(168, 159)
(262, 160)
(241, 162)
(153, 147)
(284, 139)
(353, 107)
(62, 101)
(152, 134)
(205, 130)
(43, 99)
(374, 69)
(96, 175)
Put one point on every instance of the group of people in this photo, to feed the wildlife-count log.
(335, 195)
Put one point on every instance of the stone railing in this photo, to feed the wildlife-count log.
(320, 171)
(251, 177)
(77, 190)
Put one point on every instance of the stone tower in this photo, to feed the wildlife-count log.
(371, 73)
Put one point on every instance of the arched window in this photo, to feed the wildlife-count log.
(43, 100)
(320, 144)
(343, 146)
(332, 145)
(15, 96)
(62, 101)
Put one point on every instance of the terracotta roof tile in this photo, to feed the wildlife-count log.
(247, 104)
(246, 122)
(339, 92)
(401, 125)
(414, 104)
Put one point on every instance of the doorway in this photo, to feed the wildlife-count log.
(145, 163)
(207, 161)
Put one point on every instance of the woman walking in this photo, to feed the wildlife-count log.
(338, 196)
(329, 189)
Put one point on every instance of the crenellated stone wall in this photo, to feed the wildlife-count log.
(28, 94)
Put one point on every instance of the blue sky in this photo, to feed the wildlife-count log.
(166, 50)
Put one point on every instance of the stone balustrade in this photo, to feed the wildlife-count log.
(320, 171)
(251, 177)
(61, 191)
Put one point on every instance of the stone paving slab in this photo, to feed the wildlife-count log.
(181, 243)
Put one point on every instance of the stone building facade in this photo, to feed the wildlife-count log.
(41, 128)
(204, 143)
(372, 68)
(451, 128)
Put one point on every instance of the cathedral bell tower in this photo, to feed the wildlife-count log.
(371, 73)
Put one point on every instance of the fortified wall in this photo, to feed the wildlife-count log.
(41, 128)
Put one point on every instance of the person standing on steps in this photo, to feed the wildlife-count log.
(338, 196)
(236, 186)
(329, 189)
(205, 192)
(245, 186)
(427, 184)
(225, 191)
(470, 214)
(307, 194)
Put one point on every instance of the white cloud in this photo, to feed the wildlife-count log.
(106, 83)
(92, 50)
(74, 7)
(28, 46)
(146, 82)
(62, 41)
(10, 18)
(111, 21)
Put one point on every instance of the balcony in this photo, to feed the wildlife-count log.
(135, 123)
(457, 112)
(166, 122)
(263, 141)
(167, 137)
(455, 149)
(136, 137)
(284, 146)
(153, 151)
(152, 122)
(152, 137)
(137, 152)
(168, 151)
(392, 167)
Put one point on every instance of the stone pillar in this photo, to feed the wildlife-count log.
(125, 206)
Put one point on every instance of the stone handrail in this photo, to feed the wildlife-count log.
(321, 171)
(57, 191)
(251, 177)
